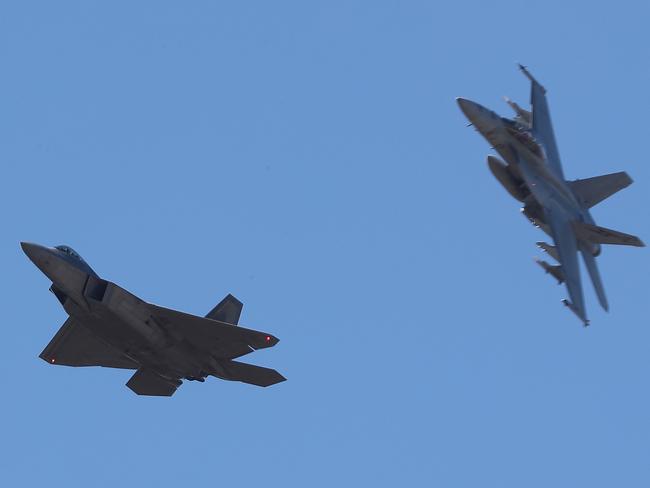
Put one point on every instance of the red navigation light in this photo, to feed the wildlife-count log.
(268, 338)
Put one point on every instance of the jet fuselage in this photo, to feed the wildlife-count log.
(125, 322)
(526, 159)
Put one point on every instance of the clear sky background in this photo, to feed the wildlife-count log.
(309, 158)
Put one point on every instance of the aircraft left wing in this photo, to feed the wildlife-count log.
(220, 339)
(567, 248)
(75, 345)
(542, 127)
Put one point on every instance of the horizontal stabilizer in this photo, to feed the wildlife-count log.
(146, 382)
(249, 373)
(592, 191)
(228, 311)
(601, 235)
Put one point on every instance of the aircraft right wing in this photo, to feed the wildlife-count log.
(75, 345)
(542, 127)
(220, 339)
(567, 247)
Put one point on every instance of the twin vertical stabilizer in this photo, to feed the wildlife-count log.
(592, 191)
(228, 310)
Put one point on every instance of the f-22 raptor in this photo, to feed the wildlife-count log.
(110, 327)
(532, 173)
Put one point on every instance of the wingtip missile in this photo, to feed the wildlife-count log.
(528, 75)
(572, 307)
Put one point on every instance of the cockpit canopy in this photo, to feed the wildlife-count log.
(73, 257)
(69, 251)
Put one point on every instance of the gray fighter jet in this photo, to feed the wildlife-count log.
(110, 327)
(532, 173)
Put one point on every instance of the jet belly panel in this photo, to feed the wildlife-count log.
(493, 130)
(106, 326)
(542, 183)
(538, 186)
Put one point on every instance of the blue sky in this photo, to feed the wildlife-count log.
(309, 158)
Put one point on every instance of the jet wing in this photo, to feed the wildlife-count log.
(567, 248)
(220, 339)
(590, 263)
(542, 127)
(75, 345)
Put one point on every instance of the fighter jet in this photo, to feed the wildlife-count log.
(532, 173)
(110, 327)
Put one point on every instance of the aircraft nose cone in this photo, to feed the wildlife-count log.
(469, 108)
(36, 253)
(479, 116)
(30, 248)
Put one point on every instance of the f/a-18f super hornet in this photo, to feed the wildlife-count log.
(532, 173)
(110, 327)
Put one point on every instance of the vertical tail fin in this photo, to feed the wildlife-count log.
(228, 310)
(592, 191)
(601, 235)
